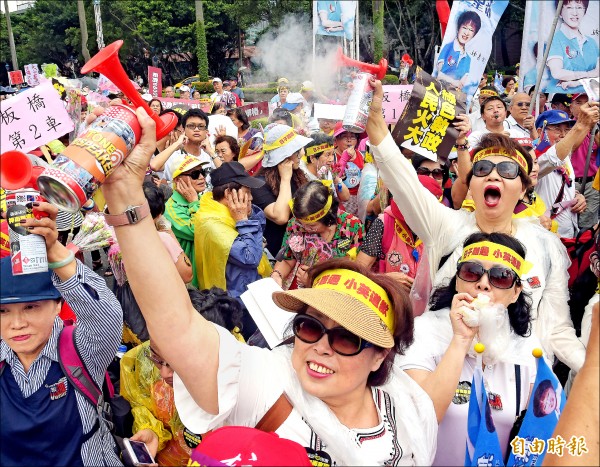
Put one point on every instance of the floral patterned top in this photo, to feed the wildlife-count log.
(309, 248)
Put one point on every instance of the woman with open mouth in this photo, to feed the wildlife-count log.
(498, 180)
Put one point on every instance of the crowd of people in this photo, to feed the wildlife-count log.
(381, 255)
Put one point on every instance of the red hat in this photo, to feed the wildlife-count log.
(240, 445)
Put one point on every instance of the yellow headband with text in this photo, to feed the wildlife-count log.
(316, 149)
(362, 289)
(487, 93)
(498, 151)
(488, 251)
(320, 214)
(281, 141)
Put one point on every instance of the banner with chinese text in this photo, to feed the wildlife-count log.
(32, 74)
(468, 43)
(569, 59)
(155, 81)
(15, 77)
(33, 118)
(395, 98)
(256, 110)
(425, 126)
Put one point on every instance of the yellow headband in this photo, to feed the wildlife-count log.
(317, 215)
(319, 148)
(362, 289)
(489, 251)
(487, 93)
(497, 151)
(281, 141)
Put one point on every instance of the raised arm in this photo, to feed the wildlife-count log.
(428, 218)
(159, 291)
(158, 163)
(279, 211)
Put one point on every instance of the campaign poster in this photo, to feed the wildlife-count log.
(467, 43)
(574, 49)
(155, 81)
(334, 18)
(425, 125)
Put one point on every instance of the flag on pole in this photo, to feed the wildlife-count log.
(443, 11)
(546, 403)
(482, 447)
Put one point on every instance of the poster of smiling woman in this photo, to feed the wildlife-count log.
(334, 18)
(468, 43)
(574, 50)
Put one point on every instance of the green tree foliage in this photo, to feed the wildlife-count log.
(378, 31)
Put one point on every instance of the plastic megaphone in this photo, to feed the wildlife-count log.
(378, 70)
(15, 170)
(107, 62)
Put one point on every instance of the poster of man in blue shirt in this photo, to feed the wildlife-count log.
(334, 18)
(574, 50)
(453, 62)
(467, 43)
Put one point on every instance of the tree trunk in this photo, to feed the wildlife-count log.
(201, 48)
(11, 39)
(84, 32)
(378, 32)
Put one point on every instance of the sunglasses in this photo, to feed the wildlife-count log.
(506, 169)
(437, 174)
(154, 358)
(195, 174)
(522, 104)
(310, 330)
(499, 276)
(191, 126)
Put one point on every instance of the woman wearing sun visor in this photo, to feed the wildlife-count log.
(498, 180)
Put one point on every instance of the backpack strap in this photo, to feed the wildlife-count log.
(73, 367)
(276, 415)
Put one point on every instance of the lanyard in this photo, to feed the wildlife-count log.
(407, 238)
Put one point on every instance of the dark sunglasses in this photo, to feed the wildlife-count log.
(522, 104)
(438, 174)
(499, 276)
(195, 174)
(506, 169)
(310, 330)
(154, 358)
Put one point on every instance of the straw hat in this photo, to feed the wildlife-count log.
(346, 306)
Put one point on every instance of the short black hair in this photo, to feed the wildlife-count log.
(318, 138)
(219, 191)
(241, 116)
(506, 80)
(216, 306)
(171, 111)
(490, 99)
(468, 17)
(194, 113)
(311, 198)
(519, 313)
(156, 199)
(584, 2)
(282, 114)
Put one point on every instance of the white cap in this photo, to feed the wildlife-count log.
(295, 98)
(184, 88)
(307, 86)
(217, 79)
(147, 97)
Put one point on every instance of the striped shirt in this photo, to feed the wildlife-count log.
(98, 334)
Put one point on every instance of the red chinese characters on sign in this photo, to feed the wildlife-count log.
(15, 77)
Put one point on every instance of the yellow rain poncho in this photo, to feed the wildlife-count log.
(153, 406)
(214, 235)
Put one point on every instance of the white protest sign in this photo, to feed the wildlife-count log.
(330, 111)
(33, 118)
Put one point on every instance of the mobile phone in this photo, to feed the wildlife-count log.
(138, 452)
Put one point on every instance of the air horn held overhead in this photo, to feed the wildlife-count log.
(359, 101)
(107, 63)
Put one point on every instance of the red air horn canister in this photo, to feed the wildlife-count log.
(94, 155)
(359, 101)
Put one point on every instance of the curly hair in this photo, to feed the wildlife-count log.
(311, 198)
(497, 140)
(519, 313)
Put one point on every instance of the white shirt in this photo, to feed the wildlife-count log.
(178, 156)
(433, 333)
(476, 136)
(443, 232)
(251, 379)
(514, 125)
(548, 188)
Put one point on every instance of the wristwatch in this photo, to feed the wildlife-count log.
(132, 215)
